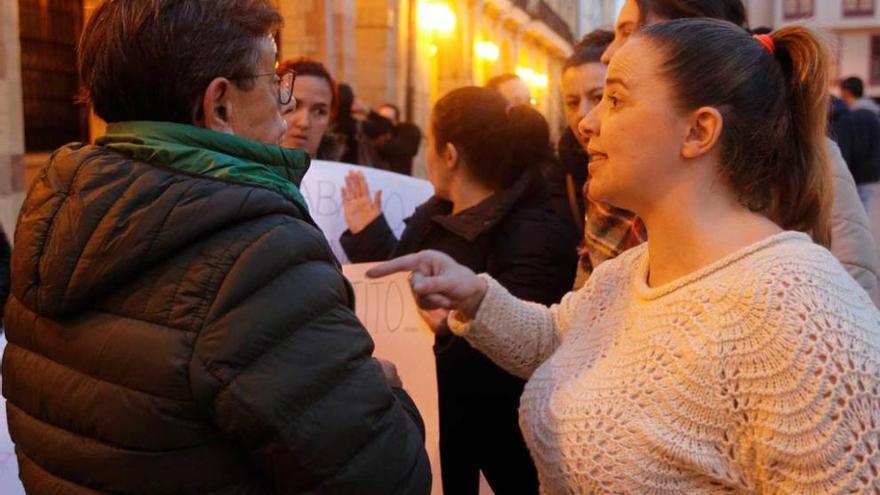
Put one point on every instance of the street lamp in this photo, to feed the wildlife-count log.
(436, 17)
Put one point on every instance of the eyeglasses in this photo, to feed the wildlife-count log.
(284, 81)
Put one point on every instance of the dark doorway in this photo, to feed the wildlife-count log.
(49, 31)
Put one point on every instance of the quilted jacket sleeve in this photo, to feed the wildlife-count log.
(285, 370)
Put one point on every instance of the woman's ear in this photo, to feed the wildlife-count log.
(703, 133)
(450, 156)
(216, 106)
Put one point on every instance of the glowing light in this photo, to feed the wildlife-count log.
(436, 17)
(525, 74)
(533, 78)
(487, 50)
(433, 50)
(541, 80)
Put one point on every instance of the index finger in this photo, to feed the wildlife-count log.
(408, 263)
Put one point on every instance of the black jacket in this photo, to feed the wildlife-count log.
(514, 236)
(403, 146)
(566, 178)
(175, 334)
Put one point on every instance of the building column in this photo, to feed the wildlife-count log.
(344, 15)
(377, 62)
(306, 30)
(11, 118)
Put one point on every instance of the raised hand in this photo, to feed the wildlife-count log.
(438, 281)
(360, 210)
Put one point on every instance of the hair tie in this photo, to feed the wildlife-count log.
(767, 41)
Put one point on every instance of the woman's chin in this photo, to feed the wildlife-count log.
(294, 142)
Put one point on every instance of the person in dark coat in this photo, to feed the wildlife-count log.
(399, 151)
(177, 323)
(857, 133)
(364, 131)
(583, 81)
(491, 213)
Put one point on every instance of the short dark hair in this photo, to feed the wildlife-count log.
(589, 49)
(307, 67)
(346, 100)
(498, 143)
(854, 85)
(727, 10)
(500, 79)
(774, 106)
(153, 59)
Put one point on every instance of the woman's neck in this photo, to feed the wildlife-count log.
(697, 226)
(466, 193)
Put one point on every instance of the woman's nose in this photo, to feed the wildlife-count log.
(589, 125)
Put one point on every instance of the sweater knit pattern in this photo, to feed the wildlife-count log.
(757, 374)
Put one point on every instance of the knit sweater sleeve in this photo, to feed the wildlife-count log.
(802, 384)
(517, 335)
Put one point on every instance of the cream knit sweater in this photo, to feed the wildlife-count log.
(757, 374)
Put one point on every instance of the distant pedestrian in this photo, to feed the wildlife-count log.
(852, 91)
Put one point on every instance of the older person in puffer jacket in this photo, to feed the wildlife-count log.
(177, 323)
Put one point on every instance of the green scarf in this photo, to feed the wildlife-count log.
(212, 154)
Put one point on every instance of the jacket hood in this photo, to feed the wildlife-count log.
(95, 218)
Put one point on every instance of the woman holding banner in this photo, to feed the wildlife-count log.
(490, 213)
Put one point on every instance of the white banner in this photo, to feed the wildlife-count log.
(386, 308)
(321, 186)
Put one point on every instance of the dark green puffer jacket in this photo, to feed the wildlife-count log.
(181, 326)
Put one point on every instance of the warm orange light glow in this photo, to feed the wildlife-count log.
(487, 50)
(436, 17)
(533, 78)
